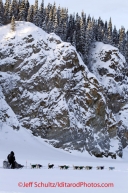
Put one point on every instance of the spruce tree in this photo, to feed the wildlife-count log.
(44, 26)
(82, 37)
(74, 39)
(27, 5)
(30, 14)
(78, 32)
(110, 39)
(36, 7)
(55, 22)
(22, 14)
(94, 30)
(115, 37)
(88, 41)
(60, 29)
(105, 36)
(1, 13)
(83, 16)
(13, 25)
(14, 9)
(65, 25)
(122, 41)
(69, 27)
(58, 14)
(6, 12)
(36, 16)
(42, 11)
(126, 47)
(100, 33)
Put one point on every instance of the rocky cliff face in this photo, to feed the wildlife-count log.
(53, 93)
(111, 69)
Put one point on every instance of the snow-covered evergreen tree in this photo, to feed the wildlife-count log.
(22, 14)
(100, 30)
(44, 26)
(78, 33)
(74, 39)
(6, 12)
(100, 33)
(83, 16)
(37, 19)
(110, 39)
(13, 25)
(30, 14)
(55, 21)
(42, 11)
(126, 47)
(1, 13)
(115, 37)
(88, 40)
(36, 6)
(14, 7)
(122, 41)
(105, 36)
(27, 5)
(82, 37)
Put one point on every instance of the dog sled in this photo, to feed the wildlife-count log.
(6, 165)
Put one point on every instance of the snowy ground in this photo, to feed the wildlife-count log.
(29, 149)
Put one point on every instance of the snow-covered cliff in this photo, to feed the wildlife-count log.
(52, 92)
(111, 69)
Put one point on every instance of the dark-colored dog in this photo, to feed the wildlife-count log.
(88, 167)
(76, 167)
(50, 166)
(100, 167)
(64, 167)
(61, 167)
(81, 167)
(36, 166)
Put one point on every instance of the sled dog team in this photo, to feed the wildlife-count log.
(65, 167)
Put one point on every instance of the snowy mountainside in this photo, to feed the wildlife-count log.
(6, 113)
(52, 92)
(111, 69)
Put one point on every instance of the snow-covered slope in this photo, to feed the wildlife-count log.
(29, 149)
(6, 113)
(53, 93)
